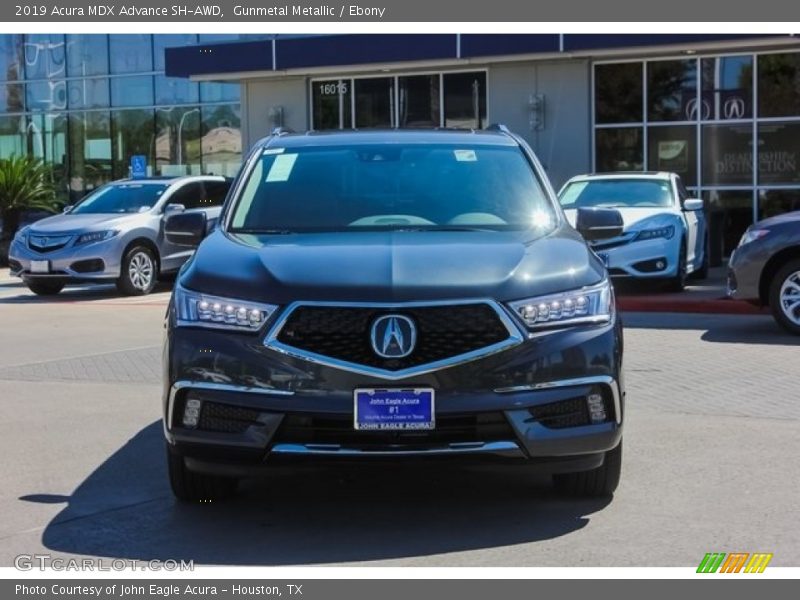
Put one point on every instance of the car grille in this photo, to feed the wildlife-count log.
(450, 429)
(343, 333)
(225, 418)
(47, 243)
(567, 413)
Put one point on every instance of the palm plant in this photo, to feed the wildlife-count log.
(25, 184)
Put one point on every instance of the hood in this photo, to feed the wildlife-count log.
(67, 223)
(636, 217)
(390, 266)
(782, 219)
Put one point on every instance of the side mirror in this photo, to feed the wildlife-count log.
(174, 208)
(185, 229)
(693, 204)
(68, 208)
(599, 223)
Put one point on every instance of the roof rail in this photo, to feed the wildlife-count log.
(498, 127)
(282, 131)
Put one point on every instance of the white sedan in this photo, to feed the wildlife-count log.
(665, 237)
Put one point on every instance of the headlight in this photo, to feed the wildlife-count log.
(96, 236)
(594, 304)
(204, 310)
(751, 235)
(21, 236)
(659, 232)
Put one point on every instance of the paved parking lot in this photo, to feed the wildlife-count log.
(710, 464)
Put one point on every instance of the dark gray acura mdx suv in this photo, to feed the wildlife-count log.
(393, 294)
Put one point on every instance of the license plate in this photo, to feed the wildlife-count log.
(381, 409)
(40, 266)
(604, 257)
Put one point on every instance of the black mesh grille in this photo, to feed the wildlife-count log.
(567, 413)
(43, 249)
(88, 266)
(343, 333)
(450, 429)
(225, 418)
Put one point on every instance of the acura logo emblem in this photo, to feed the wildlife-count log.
(734, 108)
(393, 336)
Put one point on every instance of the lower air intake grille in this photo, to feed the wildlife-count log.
(225, 418)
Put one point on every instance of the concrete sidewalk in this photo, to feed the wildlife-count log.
(706, 296)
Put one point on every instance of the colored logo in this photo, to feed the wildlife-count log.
(735, 562)
(393, 336)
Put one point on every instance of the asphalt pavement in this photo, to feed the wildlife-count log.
(710, 459)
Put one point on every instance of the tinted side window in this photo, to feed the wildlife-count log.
(190, 195)
(216, 192)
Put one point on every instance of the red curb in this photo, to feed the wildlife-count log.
(675, 304)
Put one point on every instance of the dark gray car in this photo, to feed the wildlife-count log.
(114, 234)
(765, 268)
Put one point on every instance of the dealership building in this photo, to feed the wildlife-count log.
(723, 111)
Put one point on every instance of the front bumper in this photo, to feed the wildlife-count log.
(486, 407)
(95, 261)
(744, 272)
(648, 259)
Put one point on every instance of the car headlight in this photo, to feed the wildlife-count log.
(203, 310)
(593, 304)
(21, 236)
(659, 232)
(96, 236)
(751, 235)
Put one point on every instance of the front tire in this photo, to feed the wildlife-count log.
(139, 272)
(188, 486)
(594, 483)
(45, 288)
(784, 296)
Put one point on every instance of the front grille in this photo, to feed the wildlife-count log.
(567, 413)
(225, 418)
(343, 333)
(43, 243)
(450, 429)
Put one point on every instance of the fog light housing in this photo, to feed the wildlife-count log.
(191, 413)
(597, 407)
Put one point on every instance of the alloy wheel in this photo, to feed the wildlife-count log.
(790, 297)
(140, 270)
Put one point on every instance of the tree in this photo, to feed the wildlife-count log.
(25, 184)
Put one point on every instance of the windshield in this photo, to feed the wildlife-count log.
(121, 198)
(391, 187)
(621, 193)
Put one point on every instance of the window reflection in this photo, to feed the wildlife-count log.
(47, 140)
(778, 153)
(175, 90)
(673, 148)
(221, 139)
(779, 85)
(419, 101)
(88, 93)
(47, 95)
(45, 56)
(132, 91)
(727, 87)
(87, 55)
(672, 91)
(12, 136)
(90, 152)
(12, 97)
(332, 104)
(161, 42)
(133, 132)
(618, 93)
(177, 144)
(465, 100)
(727, 154)
(619, 149)
(11, 57)
(374, 102)
(730, 212)
(776, 202)
(130, 53)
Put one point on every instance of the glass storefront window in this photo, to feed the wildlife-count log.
(132, 132)
(90, 152)
(47, 140)
(727, 154)
(88, 93)
(221, 139)
(374, 102)
(12, 97)
(131, 53)
(11, 59)
(618, 93)
(331, 103)
(779, 85)
(132, 91)
(45, 56)
(729, 212)
(619, 149)
(778, 153)
(12, 136)
(212, 91)
(672, 91)
(419, 101)
(87, 55)
(46, 95)
(177, 144)
(673, 148)
(161, 42)
(175, 90)
(776, 202)
(727, 87)
(465, 100)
